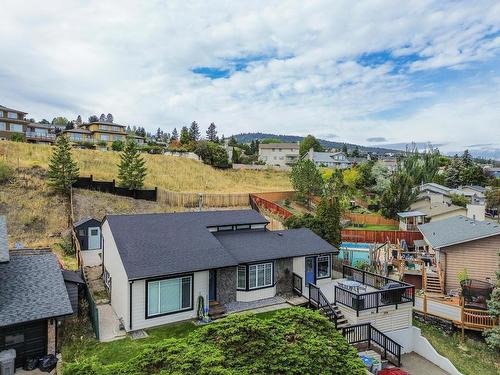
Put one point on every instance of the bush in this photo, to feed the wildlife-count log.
(117, 146)
(293, 341)
(66, 246)
(6, 172)
(459, 200)
(18, 137)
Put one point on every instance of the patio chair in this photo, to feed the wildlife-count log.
(362, 288)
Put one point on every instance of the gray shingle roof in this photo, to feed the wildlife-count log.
(4, 246)
(457, 229)
(168, 243)
(410, 214)
(256, 245)
(32, 288)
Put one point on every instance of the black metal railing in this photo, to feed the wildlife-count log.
(366, 333)
(319, 301)
(398, 294)
(297, 284)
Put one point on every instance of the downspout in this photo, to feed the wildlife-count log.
(130, 304)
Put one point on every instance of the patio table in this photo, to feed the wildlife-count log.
(351, 285)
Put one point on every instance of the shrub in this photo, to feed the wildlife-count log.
(463, 275)
(459, 200)
(66, 246)
(117, 146)
(6, 172)
(18, 137)
(293, 341)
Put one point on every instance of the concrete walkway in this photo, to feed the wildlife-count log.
(417, 365)
(109, 324)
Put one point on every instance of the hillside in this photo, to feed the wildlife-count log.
(249, 137)
(166, 172)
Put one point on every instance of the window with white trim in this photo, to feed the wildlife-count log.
(260, 275)
(169, 295)
(241, 277)
(16, 128)
(323, 266)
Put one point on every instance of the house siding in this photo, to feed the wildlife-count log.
(226, 285)
(387, 319)
(119, 280)
(139, 321)
(283, 275)
(479, 257)
(255, 295)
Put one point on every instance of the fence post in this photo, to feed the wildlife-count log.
(156, 193)
(369, 336)
(114, 186)
(91, 182)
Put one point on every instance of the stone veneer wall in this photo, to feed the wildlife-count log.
(283, 275)
(226, 285)
(51, 336)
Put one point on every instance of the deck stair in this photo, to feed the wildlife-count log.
(216, 310)
(335, 313)
(432, 283)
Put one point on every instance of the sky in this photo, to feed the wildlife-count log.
(365, 72)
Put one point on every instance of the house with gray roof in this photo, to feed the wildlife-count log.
(461, 243)
(33, 297)
(329, 159)
(157, 266)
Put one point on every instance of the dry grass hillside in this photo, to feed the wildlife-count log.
(166, 172)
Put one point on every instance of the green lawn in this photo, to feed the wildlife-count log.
(471, 357)
(375, 227)
(81, 345)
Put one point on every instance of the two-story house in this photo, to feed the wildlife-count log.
(279, 154)
(39, 133)
(328, 159)
(12, 121)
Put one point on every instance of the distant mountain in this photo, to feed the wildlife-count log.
(249, 137)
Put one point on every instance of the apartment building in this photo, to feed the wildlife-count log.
(279, 154)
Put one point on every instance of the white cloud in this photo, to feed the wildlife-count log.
(134, 59)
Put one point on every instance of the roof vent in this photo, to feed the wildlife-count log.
(280, 234)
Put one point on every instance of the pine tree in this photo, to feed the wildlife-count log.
(109, 118)
(185, 138)
(212, 133)
(93, 118)
(175, 135)
(63, 171)
(102, 118)
(132, 169)
(328, 213)
(79, 120)
(194, 132)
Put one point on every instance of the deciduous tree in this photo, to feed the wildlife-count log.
(309, 142)
(306, 179)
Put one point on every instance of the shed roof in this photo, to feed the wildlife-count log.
(72, 277)
(410, 214)
(32, 288)
(84, 220)
(456, 230)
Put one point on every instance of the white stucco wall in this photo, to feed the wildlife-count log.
(254, 295)
(119, 280)
(139, 321)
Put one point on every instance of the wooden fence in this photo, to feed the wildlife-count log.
(110, 187)
(380, 236)
(202, 200)
(370, 219)
(259, 201)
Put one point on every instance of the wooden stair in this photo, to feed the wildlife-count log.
(341, 320)
(432, 283)
(216, 310)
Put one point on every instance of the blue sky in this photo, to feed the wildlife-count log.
(370, 72)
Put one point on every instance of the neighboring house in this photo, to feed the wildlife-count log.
(436, 211)
(391, 163)
(101, 132)
(280, 154)
(12, 121)
(461, 243)
(478, 191)
(328, 159)
(74, 286)
(156, 266)
(409, 220)
(32, 298)
(40, 133)
(492, 172)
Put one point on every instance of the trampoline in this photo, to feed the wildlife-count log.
(476, 293)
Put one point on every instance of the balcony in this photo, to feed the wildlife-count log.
(47, 137)
(361, 290)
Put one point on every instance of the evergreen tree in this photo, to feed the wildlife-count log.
(194, 132)
(212, 133)
(79, 120)
(232, 141)
(493, 335)
(93, 118)
(236, 156)
(175, 135)
(355, 152)
(44, 122)
(109, 118)
(399, 195)
(102, 118)
(132, 168)
(63, 171)
(306, 179)
(329, 213)
(344, 150)
(309, 142)
(452, 175)
(69, 125)
(159, 134)
(184, 136)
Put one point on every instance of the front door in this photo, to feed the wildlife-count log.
(94, 236)
(310, 270)
(212, 281)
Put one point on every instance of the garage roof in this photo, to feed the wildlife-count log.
(32, 288)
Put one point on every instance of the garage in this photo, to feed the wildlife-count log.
(28, 339)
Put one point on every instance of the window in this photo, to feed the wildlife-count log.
(104, 137)
(242, 277)
(258, 226)
(81, 232)
(226, 227)
(94, 232)
(244, 226)
(3, 126)
(12, 115)
(260, 275)
(103, 127)
(2, 113)
(169, 296)
(323, 267)
(16, 128)
(115, 128)
(118, 137)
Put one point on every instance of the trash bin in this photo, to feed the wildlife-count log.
(7, 362)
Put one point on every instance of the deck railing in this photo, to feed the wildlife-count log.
(366, 333)
(405, 293)
(297, 284)
(319, 301)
